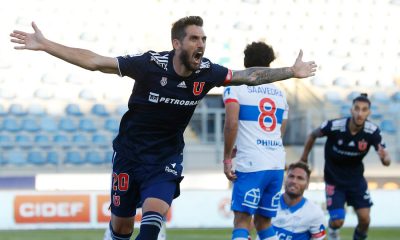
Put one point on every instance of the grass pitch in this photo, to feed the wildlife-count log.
(172, 234)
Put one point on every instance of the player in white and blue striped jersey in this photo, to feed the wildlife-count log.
(255, 120)
(298, 218)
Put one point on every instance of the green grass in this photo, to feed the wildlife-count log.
(173, 234)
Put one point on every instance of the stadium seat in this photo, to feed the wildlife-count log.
(73, 157)
(6, 142)
(94, 157)
(345, 110)
(62, 140)
(100, 110)
(375, 112)
(17, 110)
(43, 141)
(30, 125)
(52, 158)
(80, 141)
(342, 82)
(36, 110)
(37, 158)
(121, 109)
(73, 110)
(353, 95)
(11, 125)
(48, 124)
(111, 125)
(86, 94)
(101, 140)
(333, 97)
(87, 125)
(24, 141)
(67, 125)
(3, 111)
(15, 157)
(396, 96)
(380, 97)
(393, 108)
(388, 126)
(44, 94)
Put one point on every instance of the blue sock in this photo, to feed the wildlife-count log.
(117, 236)
(266, 233)
(240, 234)
(150, 226)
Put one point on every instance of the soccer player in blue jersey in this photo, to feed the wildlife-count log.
(297, 217)
(348, 141)
(147, 164)
(255, 120)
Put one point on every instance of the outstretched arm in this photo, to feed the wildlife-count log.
(261, 75)
(80, 57)
(384, 155)
(310, 143)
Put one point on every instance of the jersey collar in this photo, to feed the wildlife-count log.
(293, 208)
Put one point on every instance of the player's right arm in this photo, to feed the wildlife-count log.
(79, 57)
(230, 133)
(310, 143)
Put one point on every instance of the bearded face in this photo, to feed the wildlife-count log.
(359, 113)
(296, 182)
(191, 48)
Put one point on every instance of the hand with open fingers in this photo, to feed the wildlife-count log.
(303, 69)
(229, 173)
(31, 41)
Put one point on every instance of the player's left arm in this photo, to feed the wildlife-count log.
(317, 226)
(262, 75)
(380, 147)
(383, 155)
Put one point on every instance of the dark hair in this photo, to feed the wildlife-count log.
(178, 30)
(258, 54)
(301, 165)
(362, 98)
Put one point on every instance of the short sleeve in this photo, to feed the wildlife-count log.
(222, 75)
(133, 66)
(325, 127)
(230, 94)
(377, 139)
(317, 225)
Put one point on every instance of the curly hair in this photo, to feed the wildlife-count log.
(258, 54)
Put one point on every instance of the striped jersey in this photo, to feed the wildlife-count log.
(302, 221)
(259, 141)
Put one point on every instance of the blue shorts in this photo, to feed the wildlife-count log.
(257, 192)
(356, 196)
(132, 183)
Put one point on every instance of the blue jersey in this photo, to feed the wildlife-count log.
(344, 152)
(161, 105)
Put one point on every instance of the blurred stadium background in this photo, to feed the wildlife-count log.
(57, 121)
